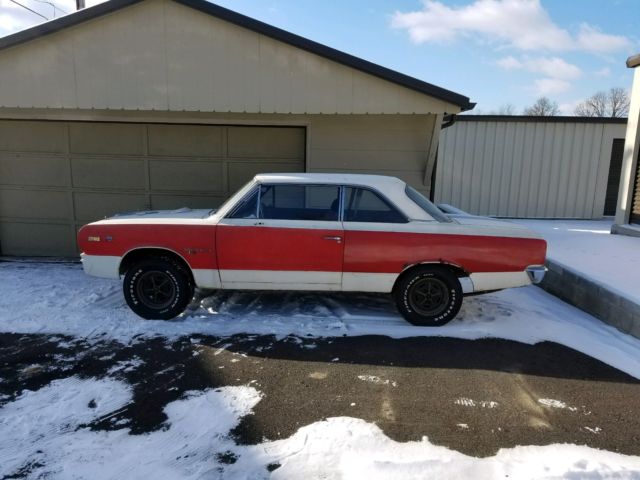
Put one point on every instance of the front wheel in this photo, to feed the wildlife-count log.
(429, 296)
(157, 288)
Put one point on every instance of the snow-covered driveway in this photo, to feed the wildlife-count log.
(61, 299)
(88, 390)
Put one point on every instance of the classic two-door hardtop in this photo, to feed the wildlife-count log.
(331, 232)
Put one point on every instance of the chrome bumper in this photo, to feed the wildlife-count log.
(536, 273)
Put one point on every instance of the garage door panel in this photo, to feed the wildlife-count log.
(37, 239)
(34, 169)
(92, 206)
(41, 204)
(30, 136)
(241, 173)
(169, 202)
(108, 138)
(101, 172)
(57, 176)
(186, 140)
(266, 142)
(186, 176)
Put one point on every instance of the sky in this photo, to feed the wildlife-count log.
(496, 52)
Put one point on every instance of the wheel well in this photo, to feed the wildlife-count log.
(134, 256)
(455, 269)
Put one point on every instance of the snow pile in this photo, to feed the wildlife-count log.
(588, 247)
(43, 434)
(348, 448)
(61, 299)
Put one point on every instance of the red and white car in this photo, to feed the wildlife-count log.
(328, 232)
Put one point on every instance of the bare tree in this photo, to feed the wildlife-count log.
(506, 109)
(614, 103)
(543, 107)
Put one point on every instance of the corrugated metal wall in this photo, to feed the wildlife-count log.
(526, 167)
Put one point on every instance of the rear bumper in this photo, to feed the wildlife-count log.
(536, 273)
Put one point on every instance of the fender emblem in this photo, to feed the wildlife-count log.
(193, 251)
(93, 239)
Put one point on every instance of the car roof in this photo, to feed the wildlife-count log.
(381, 182)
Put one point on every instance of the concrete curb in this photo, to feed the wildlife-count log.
(592, 297)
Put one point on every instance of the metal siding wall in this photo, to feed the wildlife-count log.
(526, 169)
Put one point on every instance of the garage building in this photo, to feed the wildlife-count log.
(156, 104)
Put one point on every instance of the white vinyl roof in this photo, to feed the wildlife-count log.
(391, 187)
(380, 182)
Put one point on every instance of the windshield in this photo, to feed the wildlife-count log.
(425, 204)
(234, 197)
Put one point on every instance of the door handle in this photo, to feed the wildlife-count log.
(335, 239)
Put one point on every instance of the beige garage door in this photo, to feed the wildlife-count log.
(57, 176)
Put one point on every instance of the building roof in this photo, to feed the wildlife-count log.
(539, 119)
(252, 24)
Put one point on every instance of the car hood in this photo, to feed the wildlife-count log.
(164, 214)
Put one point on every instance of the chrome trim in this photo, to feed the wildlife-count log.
(258, 198)
(336, 239)
(536, 273)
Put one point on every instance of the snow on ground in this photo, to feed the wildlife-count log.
(588, 247)
(46, 431)
(61, 299)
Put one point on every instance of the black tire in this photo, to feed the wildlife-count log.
(429, 296)
(157, 288)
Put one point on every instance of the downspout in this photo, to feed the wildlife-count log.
(447, 121)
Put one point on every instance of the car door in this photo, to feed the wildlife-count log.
(283, 236)
(373, 229)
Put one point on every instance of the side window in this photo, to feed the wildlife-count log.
(247, 208)
(299, 202)
(363, 205)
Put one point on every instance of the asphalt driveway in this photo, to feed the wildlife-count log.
(472, 396)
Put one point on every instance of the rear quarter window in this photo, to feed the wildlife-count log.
(363, 205)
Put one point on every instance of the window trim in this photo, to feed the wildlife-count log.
(341, 196)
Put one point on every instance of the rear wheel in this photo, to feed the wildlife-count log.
(429, 296)
(157, 288)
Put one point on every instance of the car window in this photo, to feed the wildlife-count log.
(362, 205)
(299, 202)
(247, 207)
(425, 204)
